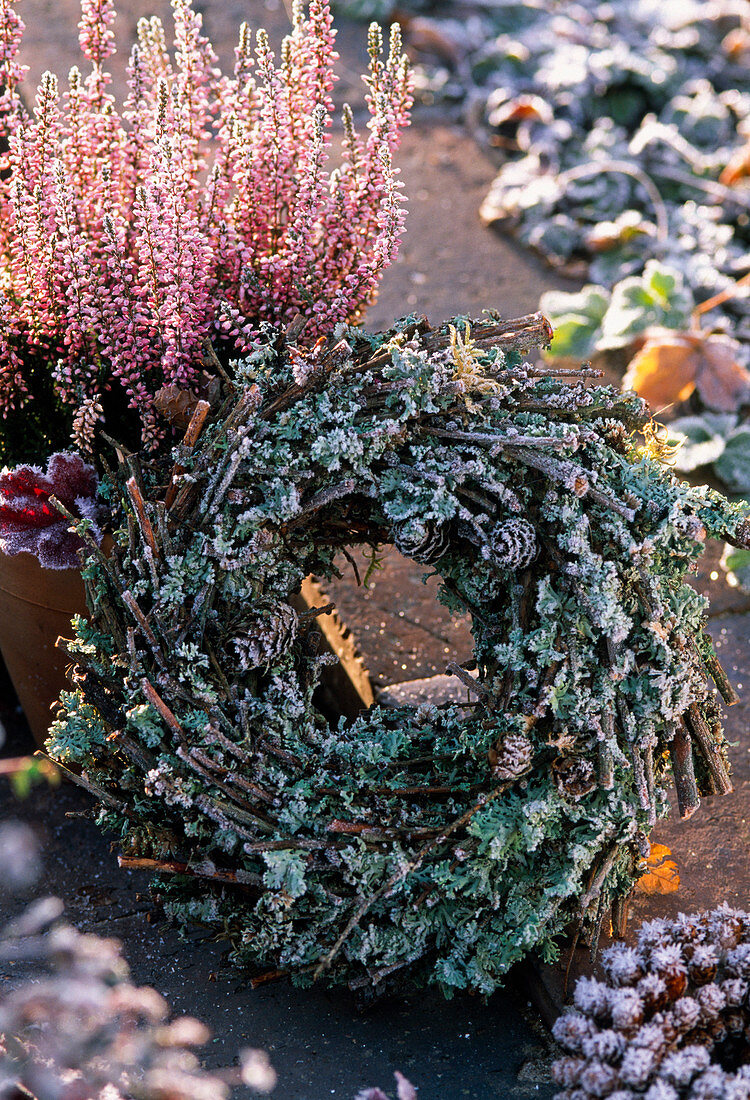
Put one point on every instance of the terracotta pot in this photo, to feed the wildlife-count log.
(36, 606)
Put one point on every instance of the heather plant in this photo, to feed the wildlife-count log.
(135, 234)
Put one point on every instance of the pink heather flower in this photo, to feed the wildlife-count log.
(201, 208)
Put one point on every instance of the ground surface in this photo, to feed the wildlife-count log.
(318, 1042)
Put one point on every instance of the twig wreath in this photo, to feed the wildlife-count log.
(443, 842)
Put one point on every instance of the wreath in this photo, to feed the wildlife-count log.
(439, 842)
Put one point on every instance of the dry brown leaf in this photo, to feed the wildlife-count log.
(662, 875)
(722, 383)
(670, 365)
(737, 168)
(664, 370)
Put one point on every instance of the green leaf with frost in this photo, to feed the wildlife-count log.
(702, 439)
(736, 564)
(733, 466)
(576, 319)
(658, 297)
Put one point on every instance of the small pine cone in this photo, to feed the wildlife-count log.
(669, 964)
(627, 1009)
(567, 1071)
(735, 1022)
(511, 757)
(512, 544)
(604, 1046)
(727, 929)
(571, 1031)
(711, 1000)
(592, 998)
(737, 962)
(660, 1090)
(709, 1085)
(263, 638)
(598, 1079)
(637, 1066)
(653, 990)
(686, 1012)
(703, 964)
(735, 990)
(88, 415)
(652, 1037)
(681, 1066)
(422, 540)
(575, 777)
(622, 965)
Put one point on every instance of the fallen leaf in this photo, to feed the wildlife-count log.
(670, 365)
(737, 168)
(664, 370)
(723, 383)
(662, 875)
(521, 108)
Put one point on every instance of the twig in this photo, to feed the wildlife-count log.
(194, 870)
(454, 669)
(405, 871)
(190, 438)
(681, 754)
(156, 701)
(129, 600)
(140, 512)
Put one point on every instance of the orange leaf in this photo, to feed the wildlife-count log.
(664, 370)
(723, 384)
(737, 168)
(662, 876)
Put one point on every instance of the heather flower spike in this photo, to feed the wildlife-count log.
(200, 208)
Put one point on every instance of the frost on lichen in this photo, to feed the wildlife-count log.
(439, 843)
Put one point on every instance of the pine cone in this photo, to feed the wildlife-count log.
(422, 540)
(261, 639)
(575, 777)
(658, 1027)
(511, 757)
(512, 544)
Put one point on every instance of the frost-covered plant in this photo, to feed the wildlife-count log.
(670, 1019)
(74, 1027)
(440, 844)
(29, 520)
(198, 209)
